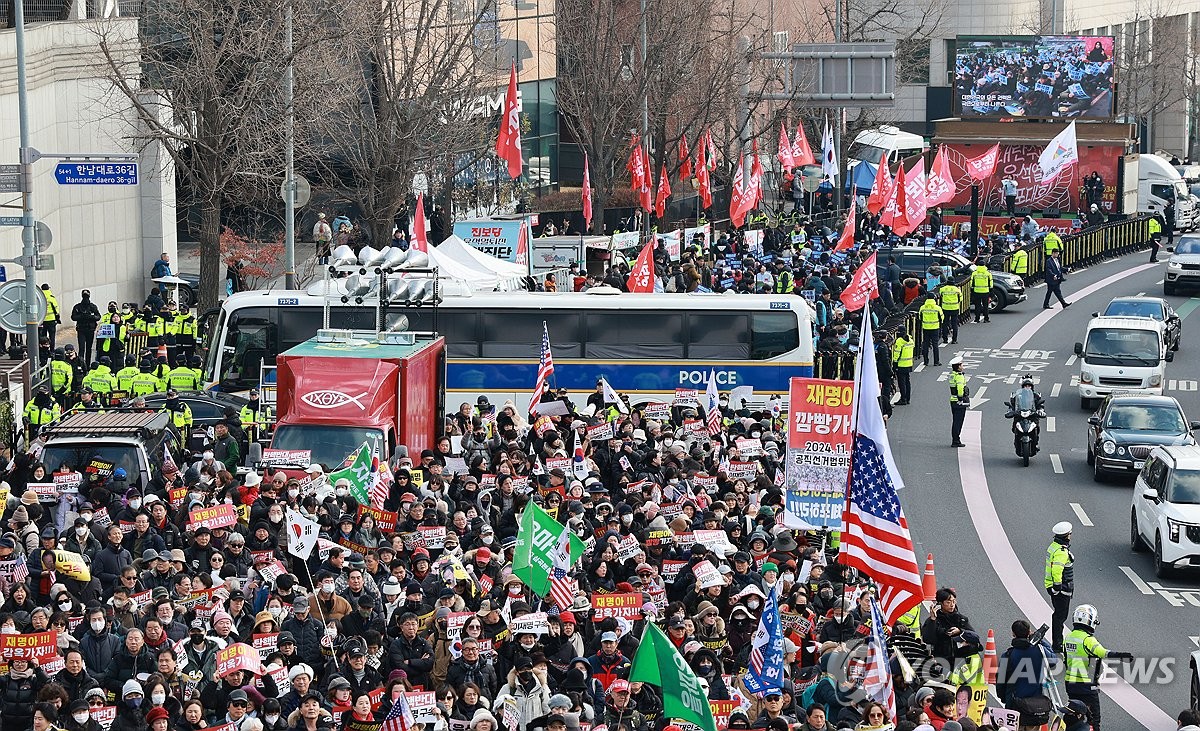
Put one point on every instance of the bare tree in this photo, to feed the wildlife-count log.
(1152, 60)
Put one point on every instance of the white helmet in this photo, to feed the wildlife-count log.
(1086, 615)
(1062, 528)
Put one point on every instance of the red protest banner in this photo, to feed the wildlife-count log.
(818, 459)
(265, 644)
(177, 495)
(617, 605)
(721, 711)
(40, 646)
(238, 656)
(218, 516)
(385, 520)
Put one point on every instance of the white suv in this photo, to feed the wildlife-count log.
(1165, 515)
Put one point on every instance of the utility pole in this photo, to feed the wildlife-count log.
(28, 242)
(289, 186)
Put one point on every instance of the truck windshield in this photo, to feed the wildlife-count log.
(101, 458)
(867, 153)
(330, 445)
(1113, 346)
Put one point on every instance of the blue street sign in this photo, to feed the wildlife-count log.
(10, 220)
(96, 173)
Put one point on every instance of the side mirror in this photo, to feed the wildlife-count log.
(1078, 348)
(1170, 355)
(1094, 420)
(1194, 425)
(1095, 314)
(1150, 494)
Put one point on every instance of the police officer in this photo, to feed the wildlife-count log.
(1155, 236)
(126, 374)
(1018, 263)
(62, 376)
(1051, 243)
(40, 411)
(902, 359)
(255, 417)
(186, 340)
(181, 413)
(162, 369)
(950, 298)
(145, 383)
(87, 401)
(960, 400)
(183, 378)
(931, 317)
(1060, 579)
(1080, 647)
(100, 379)
(981, 290)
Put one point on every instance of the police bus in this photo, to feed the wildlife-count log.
(645, 345)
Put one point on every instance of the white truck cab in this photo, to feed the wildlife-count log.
(1160, 184)
(1119, 354)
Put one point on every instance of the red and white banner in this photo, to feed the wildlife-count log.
(785, 149)
(863, 286)
(508, 140)
(914, 196)
(218, 516)
(981, 168)
(939, 186)
(881, 189)
(818, 452)
(238, 656)
(846, 241)
(641, 277)
(802, 154)
(616, 605)
(737, 196)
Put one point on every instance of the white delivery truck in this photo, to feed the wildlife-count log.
(873, 145)
(1160, 184)
(1120, 354)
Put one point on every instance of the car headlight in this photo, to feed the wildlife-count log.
(1121, 451)
(1173, 530)
(1174, 265)
(1108, 447)
(1155, 380)
(1085, 376)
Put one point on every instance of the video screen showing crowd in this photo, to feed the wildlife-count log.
(1035, 76)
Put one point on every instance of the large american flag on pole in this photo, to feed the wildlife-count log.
(876, 539)
(545, 370)
(712, 407)
(400, 717)
(878, 678)
(562, 588)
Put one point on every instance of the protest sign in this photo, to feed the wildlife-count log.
(218, 516)
(68, 481)
(707, 575)
(714, 540)
(818, 452)
(750, 447)
(272, 570)
(434, 536)
(686, 397)
(104, 716)
(742, 470)
(385, 520)
(265, 644)
(238, 656)
(47, 492)
(72, 565)
(628, 547)
(616, 605)
(670, 569)
(657, 411)
(287, 457)
(532, 623)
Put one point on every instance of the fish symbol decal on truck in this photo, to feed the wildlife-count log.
(331, 399)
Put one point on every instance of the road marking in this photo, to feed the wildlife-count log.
(1056, 463)
(1055, 389)
(1071, 360)
(1140, 294)
(1029, 329)
(1051, 422)
(1003, 558)
(1159, 282)
(1084, 520)
(1137, 580)
(919, 367)
(978, 399)
(1187, 307)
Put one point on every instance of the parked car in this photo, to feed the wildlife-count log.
(1007, 289)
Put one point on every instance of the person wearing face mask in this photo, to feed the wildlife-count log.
(80, 540)
(840, 629)
(131, 707)
(77, 717)
(529, 687)
(98, 645)
(329, 605)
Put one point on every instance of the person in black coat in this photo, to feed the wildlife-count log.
(74, 677)
(307, 630)
(410, 652)
(18, 692)
(85, 315)
(947, 631)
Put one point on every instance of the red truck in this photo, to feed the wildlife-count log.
(334, 393)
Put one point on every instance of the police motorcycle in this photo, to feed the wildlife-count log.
(1025, 408)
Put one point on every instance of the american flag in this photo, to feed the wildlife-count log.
(878, 679)
(20, 570)
(545, 370)
(400, 717)
(381, 482)
(712, 409)
(562, 589)
(876, 538)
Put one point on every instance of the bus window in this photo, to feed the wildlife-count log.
(773, 334)
(517, 333)
(251, 338)
(718, 336)
(214, 323)
(614, 334)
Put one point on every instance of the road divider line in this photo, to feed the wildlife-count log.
(1056, 464)
(1140, 294)
(978, 399)
(1137, 580)
(1159, 282)
(1051, 422)
(1055, 389)
(1084, 520)
(919, 367)
(1029, 329)
(1003, 558)
(1071, 360)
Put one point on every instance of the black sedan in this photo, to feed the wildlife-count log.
(1153, 308)
(1127, 426)
(207, 409)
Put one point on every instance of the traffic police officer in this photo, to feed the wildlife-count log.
(981, 289)
(162, 369)
(1051, 243)
(902, 359)
(931, 324)
(950, 297)
(87, 401)
(1018, 263)
(182, 378)
(1080, 647)
(255, 417)
(100, 379)
(1060, 579)
(41, 410)
(187, 333)
(62, 376)
(126, 374)
(1155, 236)
(145, 383)
(960, 400)
(181, 413)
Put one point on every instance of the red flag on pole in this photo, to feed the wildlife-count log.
(641, 277)
(756, 176)
(508, 141)
(420, 240)
(737, 198)
(914, 195)
(712, 150)
(881, 189)
(702, 177)
(587, 195)
(863, 286)
(893, 214)
(685, 159)
(785, 149)
(939, 187)
(634, 164)
(664, 192)
(981, 168)
(847, 239)
(646, 192)
(801, 153)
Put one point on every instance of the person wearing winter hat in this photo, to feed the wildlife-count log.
(158, 719)
(483, 721)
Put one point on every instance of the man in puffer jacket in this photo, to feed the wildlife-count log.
(307, 631)
(531, 690)
(99, 645)
(133, 658)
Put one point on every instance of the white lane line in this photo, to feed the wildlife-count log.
(1159, 282)
(1137, 580)
(1071, 359)
(919, 367)
(1084, 520)
(1140, 294)
(1055, 389)
(1022, 336)
(977, 398)
(1051, 422)
(1003, 558)
(1056, 464)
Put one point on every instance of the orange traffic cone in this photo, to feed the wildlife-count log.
(989, 658)
(162, 351)
(929, 580)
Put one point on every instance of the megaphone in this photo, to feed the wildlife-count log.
(370, 257)
(357, 287)
(416, 260)
(393, 258)
(344, 255)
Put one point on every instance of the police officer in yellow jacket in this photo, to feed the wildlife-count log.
(981, 291)
(950, 298)
(40, 411)
(960, 400)
(255, 417)
(1018, 263)
(931, 317)
(1080, 647)
(53, 318)
(186, 339)
(1051, 243)
(1060, 580)
(87, 401)
(181, 413)
(1155, 236)
(126, 374)
(62, 377)
(902, 360)
(145, 383)
(100, 379)
(182, 378)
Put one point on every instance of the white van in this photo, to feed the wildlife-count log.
(1119, 354)
(1159, 184)
(871, 145)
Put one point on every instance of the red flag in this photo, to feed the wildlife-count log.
(646, 192)
(712, 150)
(634, 164)
(863, 286)
(939, 187)
(737, 198)
(801, 152)
(508, 141)
(756, 176)
(420, 240)
(641, 277)
(981, 168)
(894, 214)
(785, 149)
(587, 195)
(702, 177)
(664, 192)
(914, 195)
(881, 189)
(847, 239)
(685, 159)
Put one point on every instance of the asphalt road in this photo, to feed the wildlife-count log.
(986, 519)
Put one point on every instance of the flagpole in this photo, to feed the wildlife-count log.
(858, 366)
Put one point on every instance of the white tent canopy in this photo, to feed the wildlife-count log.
(462, 252)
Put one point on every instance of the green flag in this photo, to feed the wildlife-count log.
(543, 546)
(358, 472)
(657, 662)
